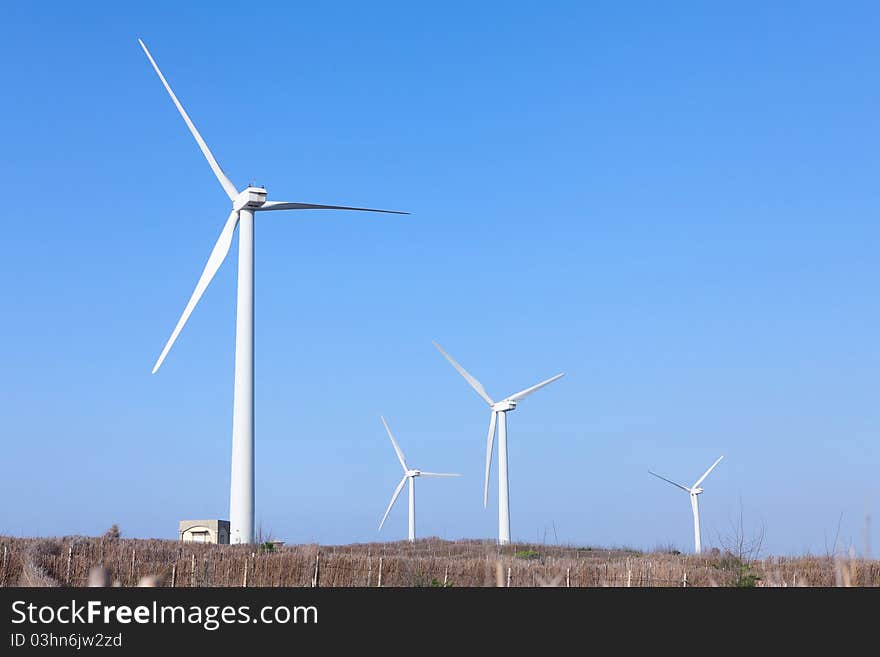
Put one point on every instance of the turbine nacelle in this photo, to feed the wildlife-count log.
(504, 405)
(250, 198)
(413, 473)
(696, 491)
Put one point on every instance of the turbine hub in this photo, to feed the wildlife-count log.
(250, 199)
(504, 406)
(413, 473)
(696, 491)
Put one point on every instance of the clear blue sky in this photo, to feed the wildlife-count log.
(678, 207)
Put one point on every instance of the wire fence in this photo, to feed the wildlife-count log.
(68, 562)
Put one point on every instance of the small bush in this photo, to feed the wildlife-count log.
(527, 554)
(46, 548)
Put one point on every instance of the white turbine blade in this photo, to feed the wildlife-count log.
(218, 254)
(393, 500)
(437, 474)
(279, 205)
(476, 385)
(228, 187)
(489, 444)
(528, 391)
(706, 474)
(399, 453)
(684, 488)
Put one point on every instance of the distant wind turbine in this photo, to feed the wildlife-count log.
(498, 417)
(693, 491)
(244, 204)
(408, 474)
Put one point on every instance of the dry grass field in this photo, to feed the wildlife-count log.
(429, 562)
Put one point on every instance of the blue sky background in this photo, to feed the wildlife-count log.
(677, 206)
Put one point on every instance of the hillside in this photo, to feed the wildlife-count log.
(429, 562)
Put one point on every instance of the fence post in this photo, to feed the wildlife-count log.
(69, 555)
(244, 583)
(379, 584)
(369, 568)
(5, 557)
(684, 579)
(315, 576)
(568, 577)
(192, 571)
(173, 574)
(445, 575)
(131, 568)
(508, 577)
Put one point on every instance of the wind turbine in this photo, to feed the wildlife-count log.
(498, 417)
(244, 204)
(693, 491)
(410, 474)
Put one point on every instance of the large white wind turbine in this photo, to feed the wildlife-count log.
(693, 491)
(410, 474)
(498, 417)
(244, 204)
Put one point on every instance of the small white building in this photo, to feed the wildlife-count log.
(204, 531)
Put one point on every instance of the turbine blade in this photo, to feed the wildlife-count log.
(399, 453)
(684, 488)
(437, 474)
(489, 444)
(228, 187)
(476, 385)
(528, 391)
(218, 254)
(279, 205)
(393, 500)
(706, 473)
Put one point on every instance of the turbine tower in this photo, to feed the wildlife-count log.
(693, 491)
(498, 417)
(244, 204)
(408, 474)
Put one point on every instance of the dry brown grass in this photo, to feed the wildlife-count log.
(428, 562)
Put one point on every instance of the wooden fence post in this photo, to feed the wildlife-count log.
(315, 576)
(369, 568)
(192, 571)
(508, 577)
(69, 555)
(684, 579)
(379, 584)
(173, 574)
(131, 568)
(568, 577)
(445, 575)
(5, 558)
